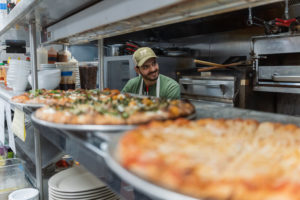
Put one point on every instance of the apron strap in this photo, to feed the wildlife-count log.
(157, 87)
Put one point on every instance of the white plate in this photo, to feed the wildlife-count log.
(94, 196)
(76, 194)
(75, 179)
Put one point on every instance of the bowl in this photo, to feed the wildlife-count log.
(24, 194)
(47, 79)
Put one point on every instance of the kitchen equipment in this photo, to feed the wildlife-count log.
(277, 63)
(212, 89)
(114, 50)
(48, 79)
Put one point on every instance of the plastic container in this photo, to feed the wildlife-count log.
(42, 56)
(12, 176)
(88, 76)
(2, 69)
(64, 56)
(52, 56)
(68, 75)
(24, 194)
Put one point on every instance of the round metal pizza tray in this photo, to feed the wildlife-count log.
(28, 105)
(108, 151)
(85, 127)
(90, 127)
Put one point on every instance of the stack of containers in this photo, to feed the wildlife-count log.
(69, 75)
(17, 74)
(12, 176)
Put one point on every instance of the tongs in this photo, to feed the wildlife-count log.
(218, 66)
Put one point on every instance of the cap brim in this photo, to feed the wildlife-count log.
(145, 59)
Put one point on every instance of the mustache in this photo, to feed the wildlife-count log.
(153, 72)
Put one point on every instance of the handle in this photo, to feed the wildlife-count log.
(220, 66)
(206, 63)
(285, 78)
(190, 82)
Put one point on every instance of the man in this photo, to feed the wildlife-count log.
(150, 82)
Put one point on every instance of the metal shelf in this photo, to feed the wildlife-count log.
(45, 12)
(116, 17)
(81, 21)
(17, 14)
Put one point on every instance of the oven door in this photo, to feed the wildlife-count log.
(210, 89)
(285, 79)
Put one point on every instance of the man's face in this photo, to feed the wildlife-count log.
(149, 70)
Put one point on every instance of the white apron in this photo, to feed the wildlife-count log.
(157, 87)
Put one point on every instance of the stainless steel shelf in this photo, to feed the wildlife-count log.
(81, 21)
(116, 17)
(17, 14)
(45, 12)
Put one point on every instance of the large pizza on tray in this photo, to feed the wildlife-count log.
(105, 107)
(60, 97)
(217, 159)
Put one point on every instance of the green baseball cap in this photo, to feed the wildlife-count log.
(141, 55)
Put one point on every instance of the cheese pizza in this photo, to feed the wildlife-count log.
(217, 159)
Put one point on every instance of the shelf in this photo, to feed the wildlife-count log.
(115, 17)
(45, 12)
(17, 14)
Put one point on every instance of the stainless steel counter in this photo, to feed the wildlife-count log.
(26, 149)
(83, 145)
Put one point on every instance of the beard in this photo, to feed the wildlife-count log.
(148, 76)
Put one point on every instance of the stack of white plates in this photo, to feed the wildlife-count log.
(77, 183)
(47, 66)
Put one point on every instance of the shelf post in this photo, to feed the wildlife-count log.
(101, 64)
(37, 140)
(33, 59)
(38, 162)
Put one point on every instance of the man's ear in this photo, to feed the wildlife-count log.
(136, 68)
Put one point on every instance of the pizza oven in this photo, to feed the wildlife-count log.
(220, 90)
(277, 63)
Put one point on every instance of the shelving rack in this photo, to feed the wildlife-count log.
(81, 21)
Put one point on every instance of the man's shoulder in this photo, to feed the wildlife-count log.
(168, 80)
(132, 85)
(134, 80)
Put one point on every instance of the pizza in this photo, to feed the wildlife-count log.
(113, 107)
(60, 97)
(216, 159)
